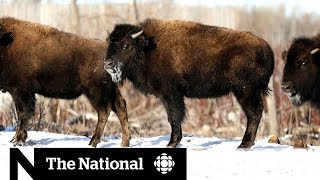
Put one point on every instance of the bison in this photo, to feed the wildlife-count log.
(301, 78)
(38, 59)
(173, 59)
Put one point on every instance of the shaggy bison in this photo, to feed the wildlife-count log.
(37, 59)
(301, 78)
(173, 59)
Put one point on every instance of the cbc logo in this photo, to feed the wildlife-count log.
(164, 163)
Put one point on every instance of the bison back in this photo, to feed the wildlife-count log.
(215, 58)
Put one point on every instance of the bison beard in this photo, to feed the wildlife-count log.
(57, 65)
(173, 60)
(115, 72)
(295, 99)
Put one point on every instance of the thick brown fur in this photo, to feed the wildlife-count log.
(38, 59)
(301, 76)
(177, 59)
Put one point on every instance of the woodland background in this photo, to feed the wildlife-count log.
(220, 117)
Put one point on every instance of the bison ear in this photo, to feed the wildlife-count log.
(6, 38)
(147, 43)
(284, 55)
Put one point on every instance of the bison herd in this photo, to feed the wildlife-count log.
(170, 59)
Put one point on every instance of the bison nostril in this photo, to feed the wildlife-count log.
(286, 86)
(108, 64)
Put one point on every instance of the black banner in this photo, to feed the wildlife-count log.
(66, 163)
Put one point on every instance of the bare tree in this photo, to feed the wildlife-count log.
(75, 16)
(136, 12)
(272, 112)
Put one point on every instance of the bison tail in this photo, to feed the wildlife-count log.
(269, 59)
(6, 38)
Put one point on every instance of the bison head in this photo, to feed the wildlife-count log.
(126, 46)
(301, 71)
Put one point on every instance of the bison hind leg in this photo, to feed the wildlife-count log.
(176, 111)
(252, 105)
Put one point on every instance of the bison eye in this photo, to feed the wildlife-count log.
(125, 46)
(304, 64)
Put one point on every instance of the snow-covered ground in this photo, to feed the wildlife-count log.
(208, 158)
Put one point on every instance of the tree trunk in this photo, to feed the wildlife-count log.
(136, 12)
(75, 17)
(272, 112)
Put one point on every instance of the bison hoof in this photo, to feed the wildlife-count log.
(94, 142)
(245, 145)
(125, 144)
(172, 145)
(174, 142)
(16, 142)
(125, 140)
(19, 138)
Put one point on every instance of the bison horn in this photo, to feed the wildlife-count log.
(135, 35)
(315, 50)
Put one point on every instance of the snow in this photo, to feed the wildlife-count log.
(208, 158)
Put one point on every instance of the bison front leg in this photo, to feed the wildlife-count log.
(176, 111)
(120, 108)
(252, 105)
(25, 104)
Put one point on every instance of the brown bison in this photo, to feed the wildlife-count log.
(301, 78)
(176, 59)
(37, 59)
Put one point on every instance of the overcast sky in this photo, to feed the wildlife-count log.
(304, 6)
